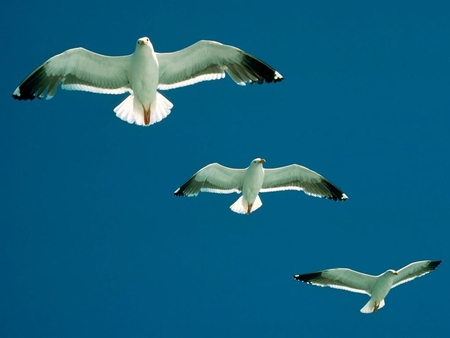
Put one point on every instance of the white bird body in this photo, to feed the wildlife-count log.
(143, 73)
(379, 291)
(251, 185)
(144, 76)
(377, 287)
(255, 179)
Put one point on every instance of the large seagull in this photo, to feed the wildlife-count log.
(377, 287)
(251, 181)
(142, 73)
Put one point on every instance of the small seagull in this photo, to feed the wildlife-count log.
(251, 181)
(377, 287)
(142, 73)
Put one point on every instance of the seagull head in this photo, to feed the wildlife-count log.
(145, 41)
(258, 161)
(392, 272)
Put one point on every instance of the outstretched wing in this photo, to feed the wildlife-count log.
(340, 278)
(214, 178)
(297, 177)
(414, 270)
(209, 60)
(77, 69)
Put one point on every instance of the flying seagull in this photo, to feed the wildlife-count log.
(251, 181)
(377, 287)
(142, 73)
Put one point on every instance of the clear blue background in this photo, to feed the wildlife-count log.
(94, 244)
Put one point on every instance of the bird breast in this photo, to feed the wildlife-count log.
(382, 287)
(144, 75)
(253, 181)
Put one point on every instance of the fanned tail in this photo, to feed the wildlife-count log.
(132, 111)
(241, 206)
(371, 306)
(163, 107)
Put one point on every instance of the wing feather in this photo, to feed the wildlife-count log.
(214, 178)
(209, 60)
(77, 69)
(297, 177)
(341, 278)
(414, 270)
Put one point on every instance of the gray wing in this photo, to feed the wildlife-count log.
(214, 178)
(341, 278)
(297, 177)
(414, 270)
(77, 69)
(209, 60)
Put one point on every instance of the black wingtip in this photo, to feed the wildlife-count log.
(181, 190)
(264, 72)
(434, 264)
(178, 193)
(307, 277)
(23, 97)
(36, 85)
(336, 193)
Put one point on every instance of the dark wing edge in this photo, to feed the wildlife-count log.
(308, 277)
(319, 279)
(36, 84)
(431, 266)
(254, 68)
(209, 60)
(215, 170)
(190, 188)
(102, 74)
(316, 185)
(334, 193)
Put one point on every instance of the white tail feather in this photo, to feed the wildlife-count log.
(370, 306)
(256, 204)
(131, 110)
(241, 205)
(163, 107)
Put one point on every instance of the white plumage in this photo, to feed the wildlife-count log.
(251, 181)
(377, 287)
(142, 73)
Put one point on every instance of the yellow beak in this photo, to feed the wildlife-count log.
(262, 161)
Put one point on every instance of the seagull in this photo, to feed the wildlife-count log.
(251, 181)
(142, 73)
(377, 287)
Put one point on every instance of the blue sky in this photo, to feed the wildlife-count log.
(93, 242)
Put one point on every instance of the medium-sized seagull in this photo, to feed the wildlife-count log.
(251, 181)
(142, 73)
(377, 287)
